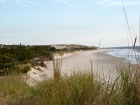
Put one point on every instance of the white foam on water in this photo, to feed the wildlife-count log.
(129, 54)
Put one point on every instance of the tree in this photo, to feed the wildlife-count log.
(6, 63)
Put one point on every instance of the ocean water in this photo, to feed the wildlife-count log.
(130, 55)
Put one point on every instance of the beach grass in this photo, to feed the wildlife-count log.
(12, 88)
(78, 89)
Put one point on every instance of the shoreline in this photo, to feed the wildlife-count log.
(103, 65)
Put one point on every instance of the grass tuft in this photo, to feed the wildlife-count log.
(77, 89)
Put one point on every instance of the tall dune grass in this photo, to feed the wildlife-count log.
(12, 88)
(77, 89)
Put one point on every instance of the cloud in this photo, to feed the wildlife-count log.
(26, 2)
(2, 0)
(62, 1)
(119, 3)
(67, 2)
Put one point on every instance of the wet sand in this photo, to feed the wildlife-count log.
(97, 61)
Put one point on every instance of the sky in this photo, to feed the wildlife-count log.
(87, 22)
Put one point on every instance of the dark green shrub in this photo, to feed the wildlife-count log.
(24, 69)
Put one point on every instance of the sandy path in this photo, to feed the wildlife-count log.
(102, 64)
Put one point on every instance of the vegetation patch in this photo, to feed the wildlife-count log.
(77, 89)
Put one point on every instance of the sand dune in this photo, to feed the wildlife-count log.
(102, 64)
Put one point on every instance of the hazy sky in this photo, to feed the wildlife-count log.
(68, 22)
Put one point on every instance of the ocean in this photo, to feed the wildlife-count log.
(130, 55)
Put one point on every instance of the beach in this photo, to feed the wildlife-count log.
(97, 61)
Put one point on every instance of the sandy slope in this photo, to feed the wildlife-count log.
(102, 64)
(65, 55)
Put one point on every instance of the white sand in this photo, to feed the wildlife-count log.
(102, 64)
